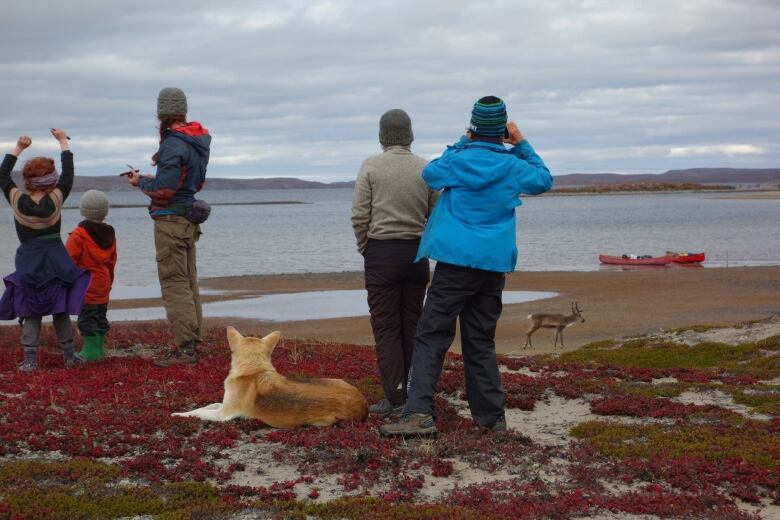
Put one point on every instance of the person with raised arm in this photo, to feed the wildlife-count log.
(46, 282)
(472, 236)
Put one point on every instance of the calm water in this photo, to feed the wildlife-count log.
(317, 305)
(554, 233)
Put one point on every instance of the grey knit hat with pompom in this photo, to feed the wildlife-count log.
(395, 128)
(94, 205)
(171, 101)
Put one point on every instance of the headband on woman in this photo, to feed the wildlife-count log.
(43, 182)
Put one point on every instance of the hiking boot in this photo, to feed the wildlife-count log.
(412, 424)
(28, 366)
(498, 426)
(177, 357)
(385, 408)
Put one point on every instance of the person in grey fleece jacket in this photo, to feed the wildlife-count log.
(390, 207)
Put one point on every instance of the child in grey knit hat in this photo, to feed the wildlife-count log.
(92, 246)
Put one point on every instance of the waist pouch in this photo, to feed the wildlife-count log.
(199, 212)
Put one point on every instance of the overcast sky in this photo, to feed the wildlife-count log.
(297, 88)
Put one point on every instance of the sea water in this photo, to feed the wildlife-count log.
(553, 232)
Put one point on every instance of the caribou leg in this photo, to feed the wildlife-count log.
(528, 337)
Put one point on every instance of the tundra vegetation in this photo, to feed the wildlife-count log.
(99, 441)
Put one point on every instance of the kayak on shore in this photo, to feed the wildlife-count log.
(686, 258)
(635, 260)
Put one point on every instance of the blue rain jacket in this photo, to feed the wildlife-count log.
(473, 223)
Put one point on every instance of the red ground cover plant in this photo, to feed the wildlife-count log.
(635, 405)
(117, 413)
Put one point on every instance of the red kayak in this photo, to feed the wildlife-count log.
(686, 258)
(619, 260)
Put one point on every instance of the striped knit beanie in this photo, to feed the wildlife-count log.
(488, 117)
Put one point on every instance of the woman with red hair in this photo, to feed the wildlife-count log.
(45, 281)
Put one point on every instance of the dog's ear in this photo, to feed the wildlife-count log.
(271, 340)
(233, 337)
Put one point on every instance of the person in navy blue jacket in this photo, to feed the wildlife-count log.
(472, 236)
(181, 172)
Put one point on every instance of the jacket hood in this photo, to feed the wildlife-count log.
(101, 234)
(194, 134)
(482, 169)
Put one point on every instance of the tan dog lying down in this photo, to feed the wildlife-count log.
(254, 389)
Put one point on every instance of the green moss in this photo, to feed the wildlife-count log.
(169, 502)
(65, 504)
(182, 495)
(747, 323)
(749, 442)
(84, 489)
(32, 472)
(764, 367)
(369, 387)
(598, 345)
(648, 354)
(697, 328)
(764, 400)
(667, 390)
(770, 343)
(746, 358)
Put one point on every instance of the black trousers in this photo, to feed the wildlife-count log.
(474, 296)
(396, 289)
(93, 319)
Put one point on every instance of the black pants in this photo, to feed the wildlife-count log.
(93, 319)
(396, 289)
(474, 296)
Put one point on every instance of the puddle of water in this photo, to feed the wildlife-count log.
(317, 305)
(139, 292)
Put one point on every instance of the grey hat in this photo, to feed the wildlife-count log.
(395, 128)
(171, 101)
(94, 205)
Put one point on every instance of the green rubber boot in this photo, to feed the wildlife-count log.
(92, 349)
(102, 335)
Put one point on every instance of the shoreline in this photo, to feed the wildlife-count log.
(759, 193)
(615, 304)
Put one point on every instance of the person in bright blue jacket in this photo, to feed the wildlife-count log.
(472, 236)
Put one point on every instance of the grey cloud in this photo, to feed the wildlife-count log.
(296, 88)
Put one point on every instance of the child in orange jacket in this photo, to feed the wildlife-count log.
(92, 246)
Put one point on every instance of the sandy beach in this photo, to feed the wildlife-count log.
(615, 303)
(751, 195)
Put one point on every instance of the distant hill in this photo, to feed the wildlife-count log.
(642, 186)
(736, 176)
(693, 175)
(116, 183)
